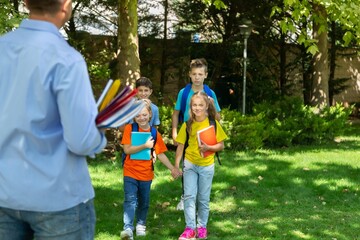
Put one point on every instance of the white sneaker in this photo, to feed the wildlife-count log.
(140, 230)
(180, 205)
(127, 234)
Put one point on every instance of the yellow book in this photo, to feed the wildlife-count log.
(110, 94)
(103, 93)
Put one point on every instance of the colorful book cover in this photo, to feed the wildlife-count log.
(139, 138)
(124, 92)
(117, 114)
(207, 136)
(104, 92)
(115, 106)
(124, 115)
(110, 94)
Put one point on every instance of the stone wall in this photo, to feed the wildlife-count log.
(347, 66)
(181, 50)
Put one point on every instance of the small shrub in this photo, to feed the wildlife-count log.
(244, 132)
(279, 124)
(289, 122)
(165, 127)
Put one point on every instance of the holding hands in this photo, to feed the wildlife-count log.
(175, 173)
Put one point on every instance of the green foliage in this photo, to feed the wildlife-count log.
(9, 17)
(295, 12)
(98, 65)
(282, 123)
(219, 4)
(289, 122)
(165, 127)
(244, 132)
(284, 194)
(98, 70)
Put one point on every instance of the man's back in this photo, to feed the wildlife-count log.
(47, 112)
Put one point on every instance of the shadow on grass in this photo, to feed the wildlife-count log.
(273, 200)
(349, 141)
(255, 195)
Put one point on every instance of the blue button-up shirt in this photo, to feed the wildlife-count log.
(47, 120)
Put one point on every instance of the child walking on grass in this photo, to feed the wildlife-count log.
(145, 89)
(138, 175)
(198, 171)
(198, 73)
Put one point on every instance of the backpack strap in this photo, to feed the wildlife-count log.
(186, 144)
(213, 122)
(153, 131)
(208, 91)
(134, 127)
(184, 98)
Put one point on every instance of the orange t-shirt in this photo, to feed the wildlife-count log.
(140, 169)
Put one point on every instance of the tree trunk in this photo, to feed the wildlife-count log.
(320, 86)
(307, 66)
(128, 66)
(332, 61)
(282, 65)
(164, 47)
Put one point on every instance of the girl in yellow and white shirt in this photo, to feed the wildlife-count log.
(198, 172)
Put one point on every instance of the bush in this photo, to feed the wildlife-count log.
(289, 122)
(282, 123)
(165, 127)
(244, 132)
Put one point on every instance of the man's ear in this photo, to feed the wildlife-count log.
(66, 7)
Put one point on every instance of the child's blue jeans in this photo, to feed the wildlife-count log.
(137, 200)
(197, 188)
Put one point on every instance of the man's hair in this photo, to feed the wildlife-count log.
(44, 6)
(199, 63)
(143, 81)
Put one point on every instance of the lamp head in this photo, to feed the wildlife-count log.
(246, 27)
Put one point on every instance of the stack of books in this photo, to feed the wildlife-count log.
(116, 109)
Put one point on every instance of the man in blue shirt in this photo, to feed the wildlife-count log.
(47, 119)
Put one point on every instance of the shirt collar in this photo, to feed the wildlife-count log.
(40, 26)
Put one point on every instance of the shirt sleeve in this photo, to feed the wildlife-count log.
(77, 110)
(181, 137)
(155, 115)
(220, 133)
(160, 146)
(178, 101)
(126, 137)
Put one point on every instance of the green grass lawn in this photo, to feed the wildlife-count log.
(307, 192)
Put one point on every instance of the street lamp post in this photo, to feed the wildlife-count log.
(245, 30)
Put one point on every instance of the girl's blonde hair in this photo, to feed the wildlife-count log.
(147, 106)
(211, 111)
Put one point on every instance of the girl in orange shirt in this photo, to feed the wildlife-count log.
(138, 175)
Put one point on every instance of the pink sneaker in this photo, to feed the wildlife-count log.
(202, 233)
(188, 234)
